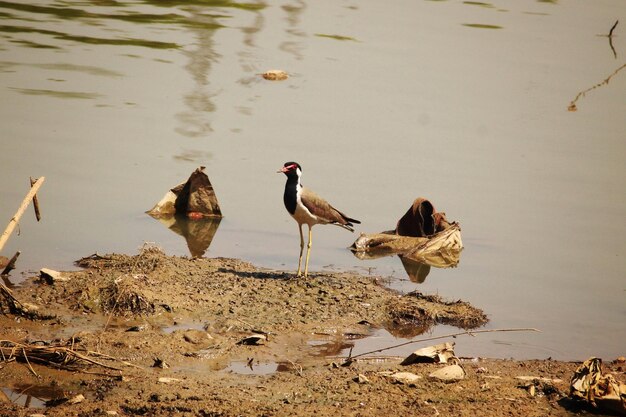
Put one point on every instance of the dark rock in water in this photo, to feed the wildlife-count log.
(418, 221)
(197, 196)
(194, 198)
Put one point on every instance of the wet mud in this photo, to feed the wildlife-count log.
(157, 335)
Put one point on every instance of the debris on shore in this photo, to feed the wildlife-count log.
(422, 238)
(152, 334)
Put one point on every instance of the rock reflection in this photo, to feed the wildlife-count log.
(407, 330)
(417, 271)
(198, 233)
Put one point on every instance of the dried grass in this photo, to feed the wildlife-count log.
(150, 257)
(127, 295)
(64, 356)
(126, 289)
(417, 309)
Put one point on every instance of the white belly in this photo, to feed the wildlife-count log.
(304, 216)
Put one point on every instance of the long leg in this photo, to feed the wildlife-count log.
(301, 248)
(308, 251)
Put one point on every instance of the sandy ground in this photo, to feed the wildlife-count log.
(156, 335)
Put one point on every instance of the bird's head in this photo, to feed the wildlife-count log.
(291, 169)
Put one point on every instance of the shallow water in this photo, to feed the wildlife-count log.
(252, 368)
(34, 396)
(462, 103)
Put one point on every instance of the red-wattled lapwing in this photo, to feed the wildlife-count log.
(308, 208)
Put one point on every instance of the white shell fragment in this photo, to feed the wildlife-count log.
(51, 276)
(361, 379)
(255, 339)
(438, 353)
(450, 373)
(167, 380)
(407, 378)
(77, 399)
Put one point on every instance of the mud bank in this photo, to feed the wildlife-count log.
(158, 335)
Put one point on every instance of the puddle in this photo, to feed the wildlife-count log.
(183, 326)
(256, 368)
(380, 338)
(519, 169)
(328, 348)
(31, 395)
(323, 348)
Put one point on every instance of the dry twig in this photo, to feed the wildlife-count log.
(613, 28)
(28, 363)
(58, 356)
(296, 367)
(35, 200)
(20, 211)
(572, 104)
(11, 265)
(18, 308)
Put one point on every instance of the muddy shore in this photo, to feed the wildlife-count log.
(220, 337)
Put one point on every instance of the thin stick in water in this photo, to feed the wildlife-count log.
(11, 265)
(20, 211)
(469, 333)
(572, 104)
(35, 201)
(612, 29)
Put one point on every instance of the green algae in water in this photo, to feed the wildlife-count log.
(337, 37)
(57, 94)
(481, 26)
(478, 3)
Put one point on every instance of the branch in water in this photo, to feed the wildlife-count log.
(612, 29)
(350, 358)
(572, 104)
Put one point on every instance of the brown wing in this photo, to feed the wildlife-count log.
(322, 209)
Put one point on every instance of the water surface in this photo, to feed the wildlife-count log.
(464, 103)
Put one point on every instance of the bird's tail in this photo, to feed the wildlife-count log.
(348, 225)
(349, 220)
